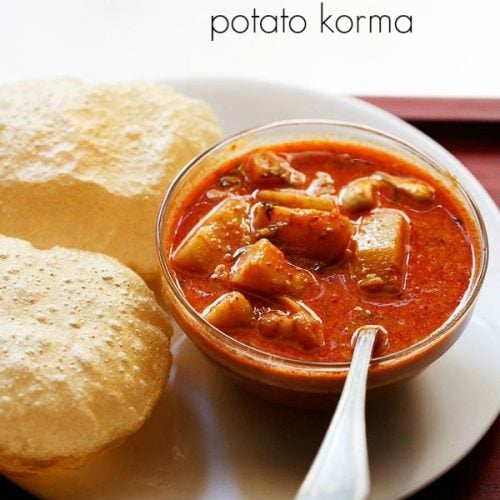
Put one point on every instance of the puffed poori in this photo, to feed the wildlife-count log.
(84, 355)
(85, 166)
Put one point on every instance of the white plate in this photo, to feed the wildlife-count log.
(207, 439)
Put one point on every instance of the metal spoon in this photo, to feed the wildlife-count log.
(340, 469)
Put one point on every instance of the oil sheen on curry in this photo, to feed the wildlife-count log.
(291, 248)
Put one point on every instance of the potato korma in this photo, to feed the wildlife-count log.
(291, 248)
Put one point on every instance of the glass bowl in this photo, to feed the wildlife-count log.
(297, 382)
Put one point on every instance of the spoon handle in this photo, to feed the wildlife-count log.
(340, 469)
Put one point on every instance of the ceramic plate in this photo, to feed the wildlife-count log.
(208, 440)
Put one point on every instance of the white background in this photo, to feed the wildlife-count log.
(454, 49)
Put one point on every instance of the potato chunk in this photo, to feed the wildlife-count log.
(295, 199)
(268, 168)
(263, 269)
(220, 233)
(316, 234)
(382, 246)
(303, 327)
(231, 310)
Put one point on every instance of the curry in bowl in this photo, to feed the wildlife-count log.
(289, 247)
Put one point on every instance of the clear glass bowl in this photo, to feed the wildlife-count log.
(303, 383)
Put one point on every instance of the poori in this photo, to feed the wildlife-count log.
(84, 355)
(85, 166)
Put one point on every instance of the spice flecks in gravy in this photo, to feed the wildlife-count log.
(291, 248)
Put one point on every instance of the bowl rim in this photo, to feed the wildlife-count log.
(262, 357)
